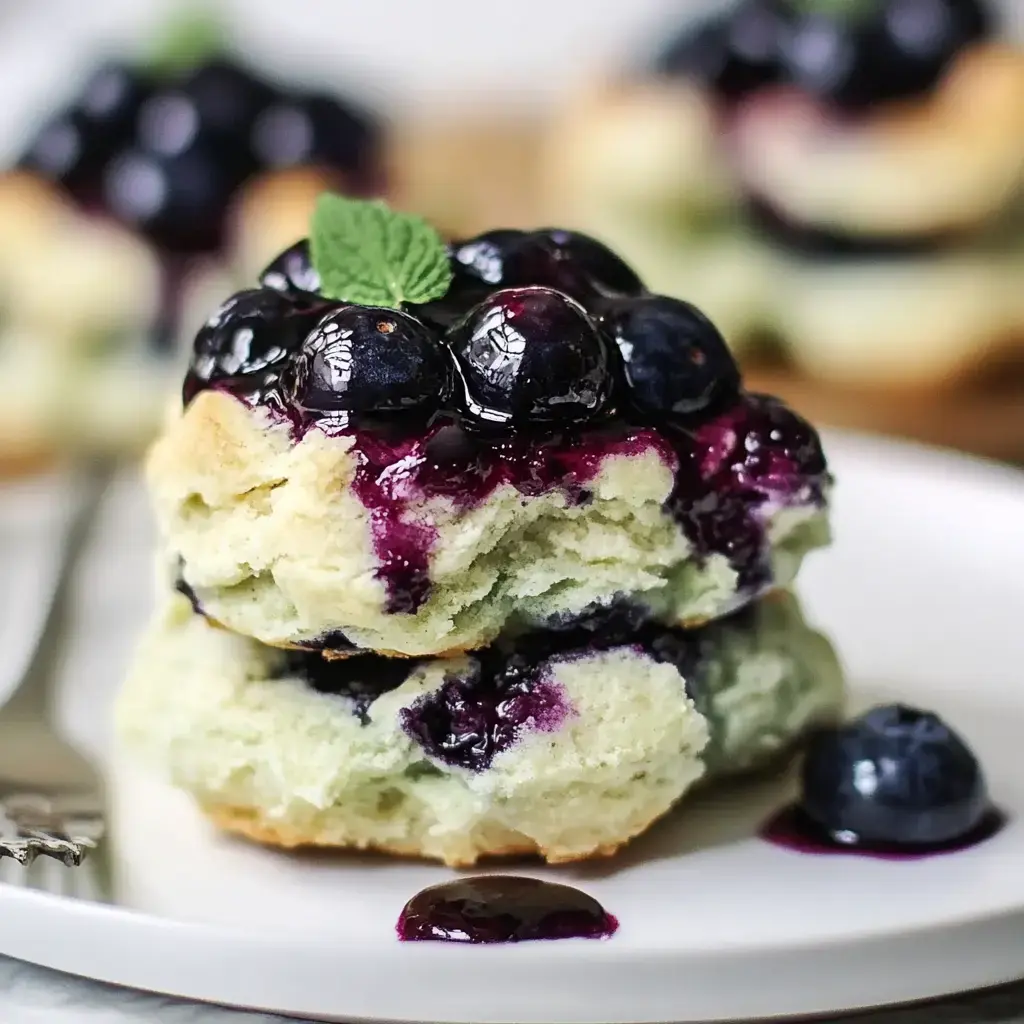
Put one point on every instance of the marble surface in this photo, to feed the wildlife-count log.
(32, 995)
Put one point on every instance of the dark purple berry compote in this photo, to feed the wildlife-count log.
(502, 908)
(848, 58)
(507, 689)
(548, 359)
(895, 783)
(852, 55)
(164, 151)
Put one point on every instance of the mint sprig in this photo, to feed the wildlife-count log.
(189, 37)
(367, 253)
(838, 8)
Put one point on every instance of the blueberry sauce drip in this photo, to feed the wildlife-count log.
(502, 908)
(792, 829)
(757, 453)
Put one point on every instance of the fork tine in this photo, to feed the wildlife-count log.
(47, 875)
(13, 873)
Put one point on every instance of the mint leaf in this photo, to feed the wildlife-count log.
(840, 8)
(188, 38)
(367, 253)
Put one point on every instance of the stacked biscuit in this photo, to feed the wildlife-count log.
(844, 182)
(453, 642)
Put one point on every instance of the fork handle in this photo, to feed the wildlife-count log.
(31, 697)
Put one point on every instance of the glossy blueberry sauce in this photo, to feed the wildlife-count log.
(502, 908)
(791, 829)
(754, 453)
(470, 719)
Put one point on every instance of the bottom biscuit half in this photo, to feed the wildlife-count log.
(566, 743)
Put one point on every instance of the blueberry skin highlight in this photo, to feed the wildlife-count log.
(896, 776)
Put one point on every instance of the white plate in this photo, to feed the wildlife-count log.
(924, 592)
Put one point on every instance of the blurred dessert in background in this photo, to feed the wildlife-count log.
(838, 181)
(157, 185)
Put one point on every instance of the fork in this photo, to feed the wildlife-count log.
(51, 797)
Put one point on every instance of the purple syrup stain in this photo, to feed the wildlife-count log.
(468, 720)
(791, 829)
(502, 908)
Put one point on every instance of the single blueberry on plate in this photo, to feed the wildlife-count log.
(368, 359)
(895, 776)
(675, 361)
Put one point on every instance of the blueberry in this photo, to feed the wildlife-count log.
(72, 146)
(836, 59)
(923, 37)
(364, 359)
(292, 272)
(472, 718)
(675, 360)
(227, 97)
(900, 49)
(895, 776)
(734, 54)
(62, 151)
(531, 355)
(247, 343)
(482, 259)
(111, 98)
(313, 129)
(570, 262)
(176, 200)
